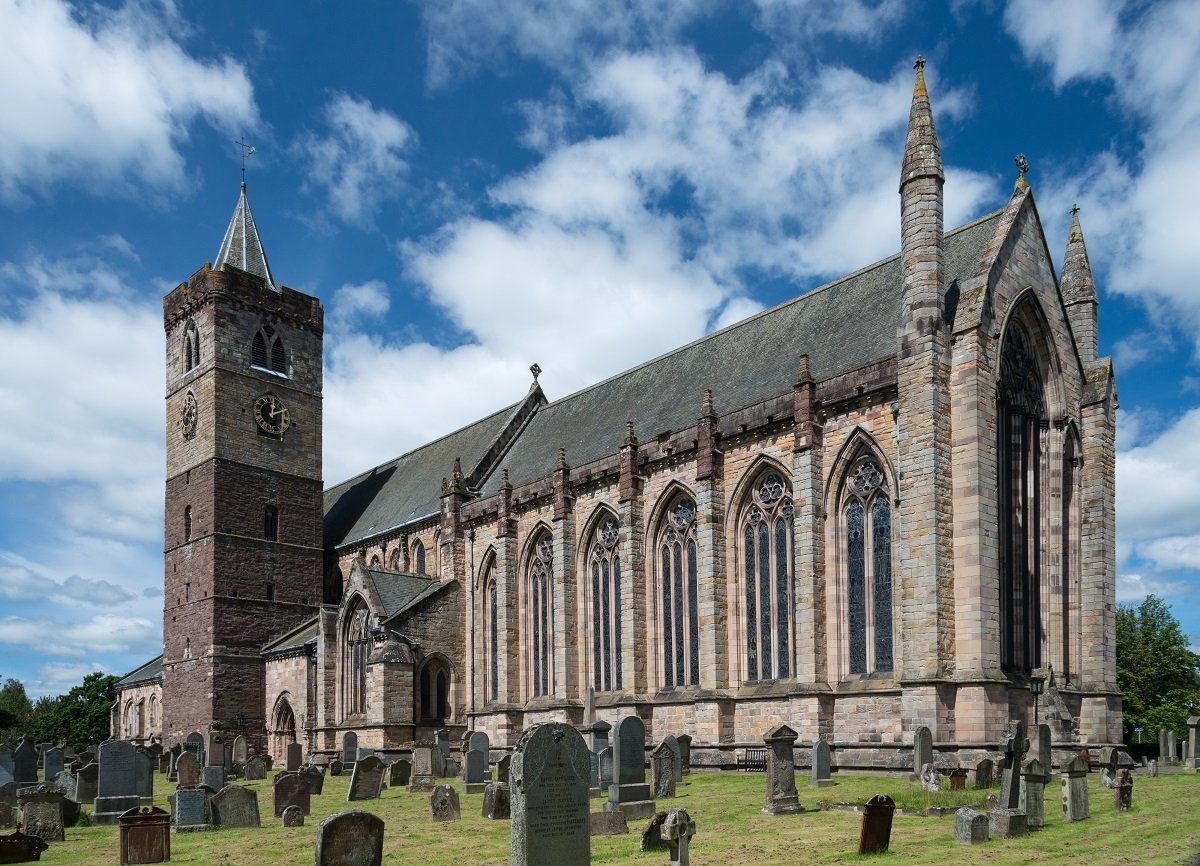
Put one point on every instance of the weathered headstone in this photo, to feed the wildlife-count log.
(1193, 749)
(451, 768)
(235, 806)
(350, 838)
(24, 759)
(984, 773)
(20, 847)
(336, 767)
(315, 779)
(479, 742)
(599, 731)
(367, 779)
(349, 748)
(293, 816)
(1074, 790)
(678, 830)
(673, 745)
(1007, 823)
(66, 781)
(1123, 791)
(1015, 747)
(256, 768)
(476, 775)
(496, 802)
(782, 797)
(8, 818)
(174, 752)
(239, 755)
(145, 835)
(443, 741)
(608, 824)
(875, 834)
(922, 749)
(291, 789)
(190, 809)
(399, 773)
(604, 763)
(1034, 776)
(194, 743)
(187, 769)
(1172, 746)
(1040, 745)
(662, 771)
(652, 839)
(213, 777)
(295, 757)
(52, 764)
(1152, 769)
(1108, 767)
(505, 763)
(423, 776)
(685, 752)
(86, 778)
(958, 779)
(970, 827)
(629, 792)
(549, 795)
(119, 781)
(42, 811)
(931, 780)
(443, 803)
(821, 760)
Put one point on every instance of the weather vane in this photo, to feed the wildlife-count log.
(247, 150)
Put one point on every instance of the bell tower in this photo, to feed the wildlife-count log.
(243, 526)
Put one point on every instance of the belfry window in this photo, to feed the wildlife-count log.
(766, 557)
(540, 573)
(604, 573)
(267, 352)
(678, 594)
(866, 536)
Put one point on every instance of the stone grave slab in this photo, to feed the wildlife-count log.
(53, 763)
(191, 809)
(240, 755)
(970, 827)
(782, 796)
(187, 771)
(293, 816)
(651, 839)
(677, 751)
(423, 776)
(1015, 747)
(497, 805)
(685, 752)
(350, 838)
(235, 806)
(922, 749)
(213, 777)
(443, 803)
(875, 833)
(291, 789)
(503, 765)
(66, 780)
(145, 835)
(366, 781)
(549, 793)
(1034, 777)
(349, 747)
(336, 767)
(476, 776)
(1123, 791)
(984, 771)
(1007, 823)
(629, 792)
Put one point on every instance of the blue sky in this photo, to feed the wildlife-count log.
(472, 186)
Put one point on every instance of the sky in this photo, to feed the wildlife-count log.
(471, 187)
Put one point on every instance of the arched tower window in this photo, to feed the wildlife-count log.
(678, 593)
(394, 562)
(866, 540)
(191, 347)
(355, 649)
(266, 351)
(604, 572)
(418, 557)
(491, 636)
(766, 560)
(1021, 415)
(540, 573)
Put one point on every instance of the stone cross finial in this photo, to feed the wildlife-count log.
(920, 63)
(535, 370)
(1022, 164)
(1075, 210)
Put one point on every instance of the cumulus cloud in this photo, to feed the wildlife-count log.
(102, 634)
(353, 302)
(1172, 552)
(1132, 588)
(20, 581)
(105, 97)
(1158, 483)
(56, 678)
(358, 159)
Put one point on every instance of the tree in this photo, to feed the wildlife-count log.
(1158, 674)
(80, 717)
(16, 712)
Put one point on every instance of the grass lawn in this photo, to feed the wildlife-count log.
(730, 829)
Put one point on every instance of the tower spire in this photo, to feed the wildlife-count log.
(1079, 290)
(242, 246)
(922, 156)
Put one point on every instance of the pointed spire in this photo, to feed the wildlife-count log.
(242, 246)
(922, 157)
(1079, 289)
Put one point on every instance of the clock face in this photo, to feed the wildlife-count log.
(271, 415)
(188, 412)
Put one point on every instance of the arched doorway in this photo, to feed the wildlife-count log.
(283, 728)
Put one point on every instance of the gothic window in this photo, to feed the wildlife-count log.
(678, 594)
(266, 351)
(540, 573)
(491, 637)
(356, 646)
(604, 573)
(375, 561)
(271, 523)
(394, 563)
(418, 557)
(191, 347)
(1070, 556)
(1020, 415)
(766, 540)
(434, 684)
(867, 555)
(152, 713)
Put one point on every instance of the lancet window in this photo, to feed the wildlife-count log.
(355, 649)
(491, 636)
(266, 350)
(766, 548)
(679, 602)
(867, 554)
(540, 573)
(604, 572)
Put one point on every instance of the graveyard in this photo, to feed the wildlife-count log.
(730, 826)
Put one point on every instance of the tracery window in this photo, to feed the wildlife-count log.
(679, 594)
(766, 539)
(604, 571)
(541, 615)
(491, 636)
(867, 550)
(394, 562)
(418, 557)
(266, 351)
(355, 649)
(1070, 556)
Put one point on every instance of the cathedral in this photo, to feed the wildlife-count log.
(884, 504)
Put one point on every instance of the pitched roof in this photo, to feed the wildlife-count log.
(399, 592)
(242, 246)
(841, 326)
(294, 639)
(151, 670)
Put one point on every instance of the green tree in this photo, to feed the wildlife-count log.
(80, 717)
(1156, 671)
(16, 712)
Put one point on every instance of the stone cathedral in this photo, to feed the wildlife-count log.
(884, 504)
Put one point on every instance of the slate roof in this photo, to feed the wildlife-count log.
(842, 326)
(407, 488)
(399, 592)
(241, 246)
(295, 639)
(151, 670)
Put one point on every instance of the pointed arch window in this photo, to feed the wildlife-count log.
(394, 561)
(418, 557)
(267, 352)
(604, 573)
(491, 636)
(541, 616)
(867, 553)
(355, 649)
(1070, 556)
(191, 347)
(678, 594)
(434, 680)
(766, 542)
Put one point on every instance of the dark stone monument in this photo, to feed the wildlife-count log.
(194, 743)
(187, 770)
(145, 835)
(549, 789)
(255, 769)
(350, 838)
(8, 818)
(443, 803)
(782, 797)
(608, 824)
(336, 767)
(191, 809)
(42, 811)
(52, 764)
(958, 779)
(821, 769)
(1007, 823)
(599, 731)
(66, 781)
(497, 805)
(652, 839)
(349, 748)
(119, 781)
(629, 792)
(662, 771)
(922, 749)
(503, 765)
(24, 761)
(970, 827)
(685, 752)
(235, 806)
(293, 816)
(451, 769)
(984, 773)
(213, 777)
(1123, 791)
(399, 773)
(18, 847)
(875, 835)
(604, 761)
(424, 775)
(678, 831)
(367, 779)
(1015, 747)
(476, 775)
(295, 757)
(291, 789)
(443, 741)
(1034, 777)
(315, 779)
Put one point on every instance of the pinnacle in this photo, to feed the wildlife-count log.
(1077, 282)
(922, 156)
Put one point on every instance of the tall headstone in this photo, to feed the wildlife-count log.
(25, 761)
(85, 784)
(443, 803)
(291, 789)
(1163, 747)
(629, 792)
(367, 779)
(42, 812)
(599, 731)
(875, 833)
(549, 797)
(821, 769)
(984, 773)
(604, 762)
(235, 806)
(662, 771)
(782, 797)
(1040, 745)
(119, 781)
(677, 750)
(52, 764)
(1193, 752)
(187, 769)
(479, 742)
(922, 749)
(349, 748)
(685, 751)
(175, 751)
(315, 778)
(443, 741)
(399, 773)
(1034, 776)
(1108, 767)
(1074, 790)
(240, 755)
(1172, 746)
(350, 838)
(475, 777)
(295, 757)
(1015, 747)
(423, 775)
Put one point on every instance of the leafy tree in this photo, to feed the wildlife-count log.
(1158, 674)
(16, 712)
(80, 716)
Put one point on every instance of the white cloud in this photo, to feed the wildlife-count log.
(102, 634)
(359, 159)
(1076, 38)
(1132, 588)
(352, 302)
(105, 97)
(1158, 484)
(57, 678)
(20, 580)
(1172, 552)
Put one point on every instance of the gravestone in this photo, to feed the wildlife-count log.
(145, 835)
(875, 834)
(984, 771)
(174, 752)
(119, 781)
(478, 741)
(1123, 791)
(673, 745)
(549, 797)
(367, 779)
(685, 752)
(476, 775)
(958, 779)
(443, 741)
(364, 751)
(1015, 747)
(922, 749)
(315, 779)
(1007, 823)
(652, 839)
(399, 773)
(255, 769)
(821, 760)
(782, 797)
(605, 767)
(8, 818)
(1172, 746)
(291, 789)
(607, 824)
(1039, 744)
(350, 838)
(931, 780)
(66, 781)
(295, 757)
(1074, 790)
(451, 769)
(1034, 776)
(187, 770)
(42, 812)
(1108, 767)
(678, 830)
(194, 743)
(235, 806)
(293, 816)
(423, 776)
(589, 706)
(52, 764)
(496, 802)
(349, 748)
(190, 809)
(599, 731)
(970, 827)
(85, 784)
(662, 771)
(1162, 744)
(629, 792)
(214, 753)
(213, 777)
(24, 760)
(443, 803)
(1152, 769)
(1193, 749)
(239, 755)
(19, 847)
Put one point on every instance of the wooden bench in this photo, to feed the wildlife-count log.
(752, 760)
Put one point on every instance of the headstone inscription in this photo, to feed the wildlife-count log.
(235, 806)
(145, 835)
(782, 797)
(1074, 790)
(496, 802)
(423, 776)
(662, 771)
(350, 838)
(922, 749)
(443, 803)
(25, 757)
(970, 827)
(549, 797)
(1123, 791)
(295, 756)
(42, 811)
(678, 830)
(629, 792)
(117, 786)
(821, 760)
(875, 834)
(187, 770)
(399, 773)
(293, 816)
(19, 847)
(190, 809)
(685, 752)
(1034, 777)
(367, 779)
(52, 764)
(291, 789)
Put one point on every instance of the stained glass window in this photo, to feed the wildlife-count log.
(605, 562)
(542, 620)
(766, 539)
(491, 621)
(679, 593)
(867, 538)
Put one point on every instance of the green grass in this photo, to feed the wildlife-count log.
(731, 831)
